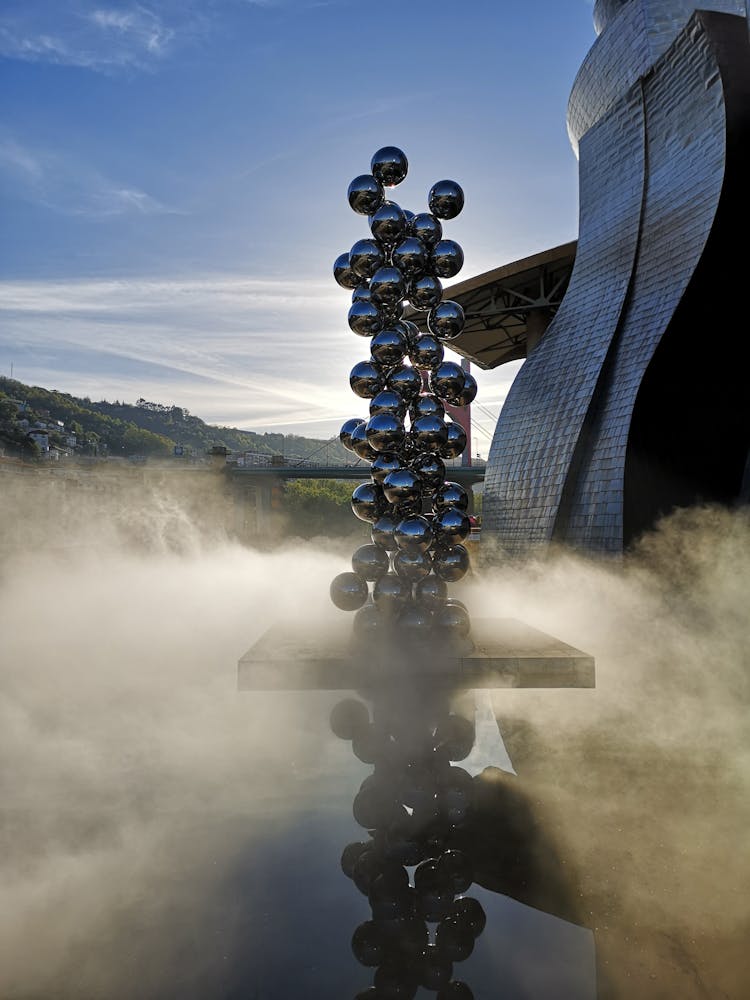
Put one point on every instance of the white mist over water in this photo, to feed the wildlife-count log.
(132, 773)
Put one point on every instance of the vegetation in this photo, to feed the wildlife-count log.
(322, 507)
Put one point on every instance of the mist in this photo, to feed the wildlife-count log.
(135, 777)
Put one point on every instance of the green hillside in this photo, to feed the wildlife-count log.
(141, 428)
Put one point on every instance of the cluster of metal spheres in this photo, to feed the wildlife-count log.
(419, 520)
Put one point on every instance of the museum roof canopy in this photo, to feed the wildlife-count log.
(510, 306)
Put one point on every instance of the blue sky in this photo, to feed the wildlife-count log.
(173, 182)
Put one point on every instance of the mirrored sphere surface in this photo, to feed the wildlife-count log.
(384, 432)
(451, 564)
(405, 380)
(410, 257)
(415, 621)
(366, 379)
(388, 401)
(370, 562)
(427, 353)
(450, 495)
(452, 620)
(447, 381)
(367, 502)
(428, 433)
(389, 165)
(364, 318)
(469, 391)
(446, 320)
(367, 622)
(412, 565)
(388, 347)
(431, 592)
(345, 434)
(446, 199)
(365, 194)
(403, 485)
(427, 405)
(447, 258)
(431, 470)
(411, 330)
(384, 464)
(382, 532)
(343, 273)
(365, 257)
(388, 224)
(455, 444)
(391, 592)
(348, 591)
(359, 444)
(362, 293)
(451, 526)
(426, 228)
(414, 534)
(387, 287)
(425, 292)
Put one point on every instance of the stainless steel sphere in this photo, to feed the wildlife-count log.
(405, 380)
(367, 502)
(388, 401)
(362, 293)
(359, 445)
(424, 293)
(455, 444)
(364, 318)
(431, 592)
(447, 258)
(452, 621)
(343, 273)
(447, 381)
(451, 564)
(348, 591)
(370, 562)
(414, 534)
(403, 486)
(384, 464)
(414, 622)
(469, 391)
(382, 532)
(431, 470)
(426, 228)
(367, 622)
(389, 165)
(388, 348)
(365, 257)
(366, 379)
(384, 432)
(391, 593)
(426, 405)
(411, 331)
(345, 434)
(451, 526)
(428, 433)
(388, 224)
(427, 353)
(412, 565)
(446, 320)
(365, 194)
(446, 199)
(410, 257)
(387, 287)
(450, 495)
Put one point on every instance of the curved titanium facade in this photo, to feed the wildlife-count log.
(624, 409)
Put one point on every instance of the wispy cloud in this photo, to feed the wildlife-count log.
(62, 182)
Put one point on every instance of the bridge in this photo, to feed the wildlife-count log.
(466, 475)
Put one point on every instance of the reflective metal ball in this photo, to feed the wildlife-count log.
(367, 622)
(348, 591)
(446, 199)
(424, 293)
(390, 593)
(447, 381)
(428, 433)
(359, 445)
(405, 380)
(431, 592)
(364, 318)
(367, 502)
(384, 464)
(388, 347)
(382, 532)
(469, 391)
(365, 257)
(366, 379)
(426, 405)
(370, 562)
(402, 486)
(388, 401)
(451, 526)
(384, 432)
(447, 258)
(427, 353)
(414, 534)
(451, 564)
(345, 434)
(455, 444)
(431, 470)
(365, 194)
(388, 224)
(414, 621)
(452, 620)
(387, 287)
(410, 257)
(446, 320)
(450, 495)
(412, 565)
(343, 273)
(426, 228)
(389, 165)
(362, 293)
(411, 330)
